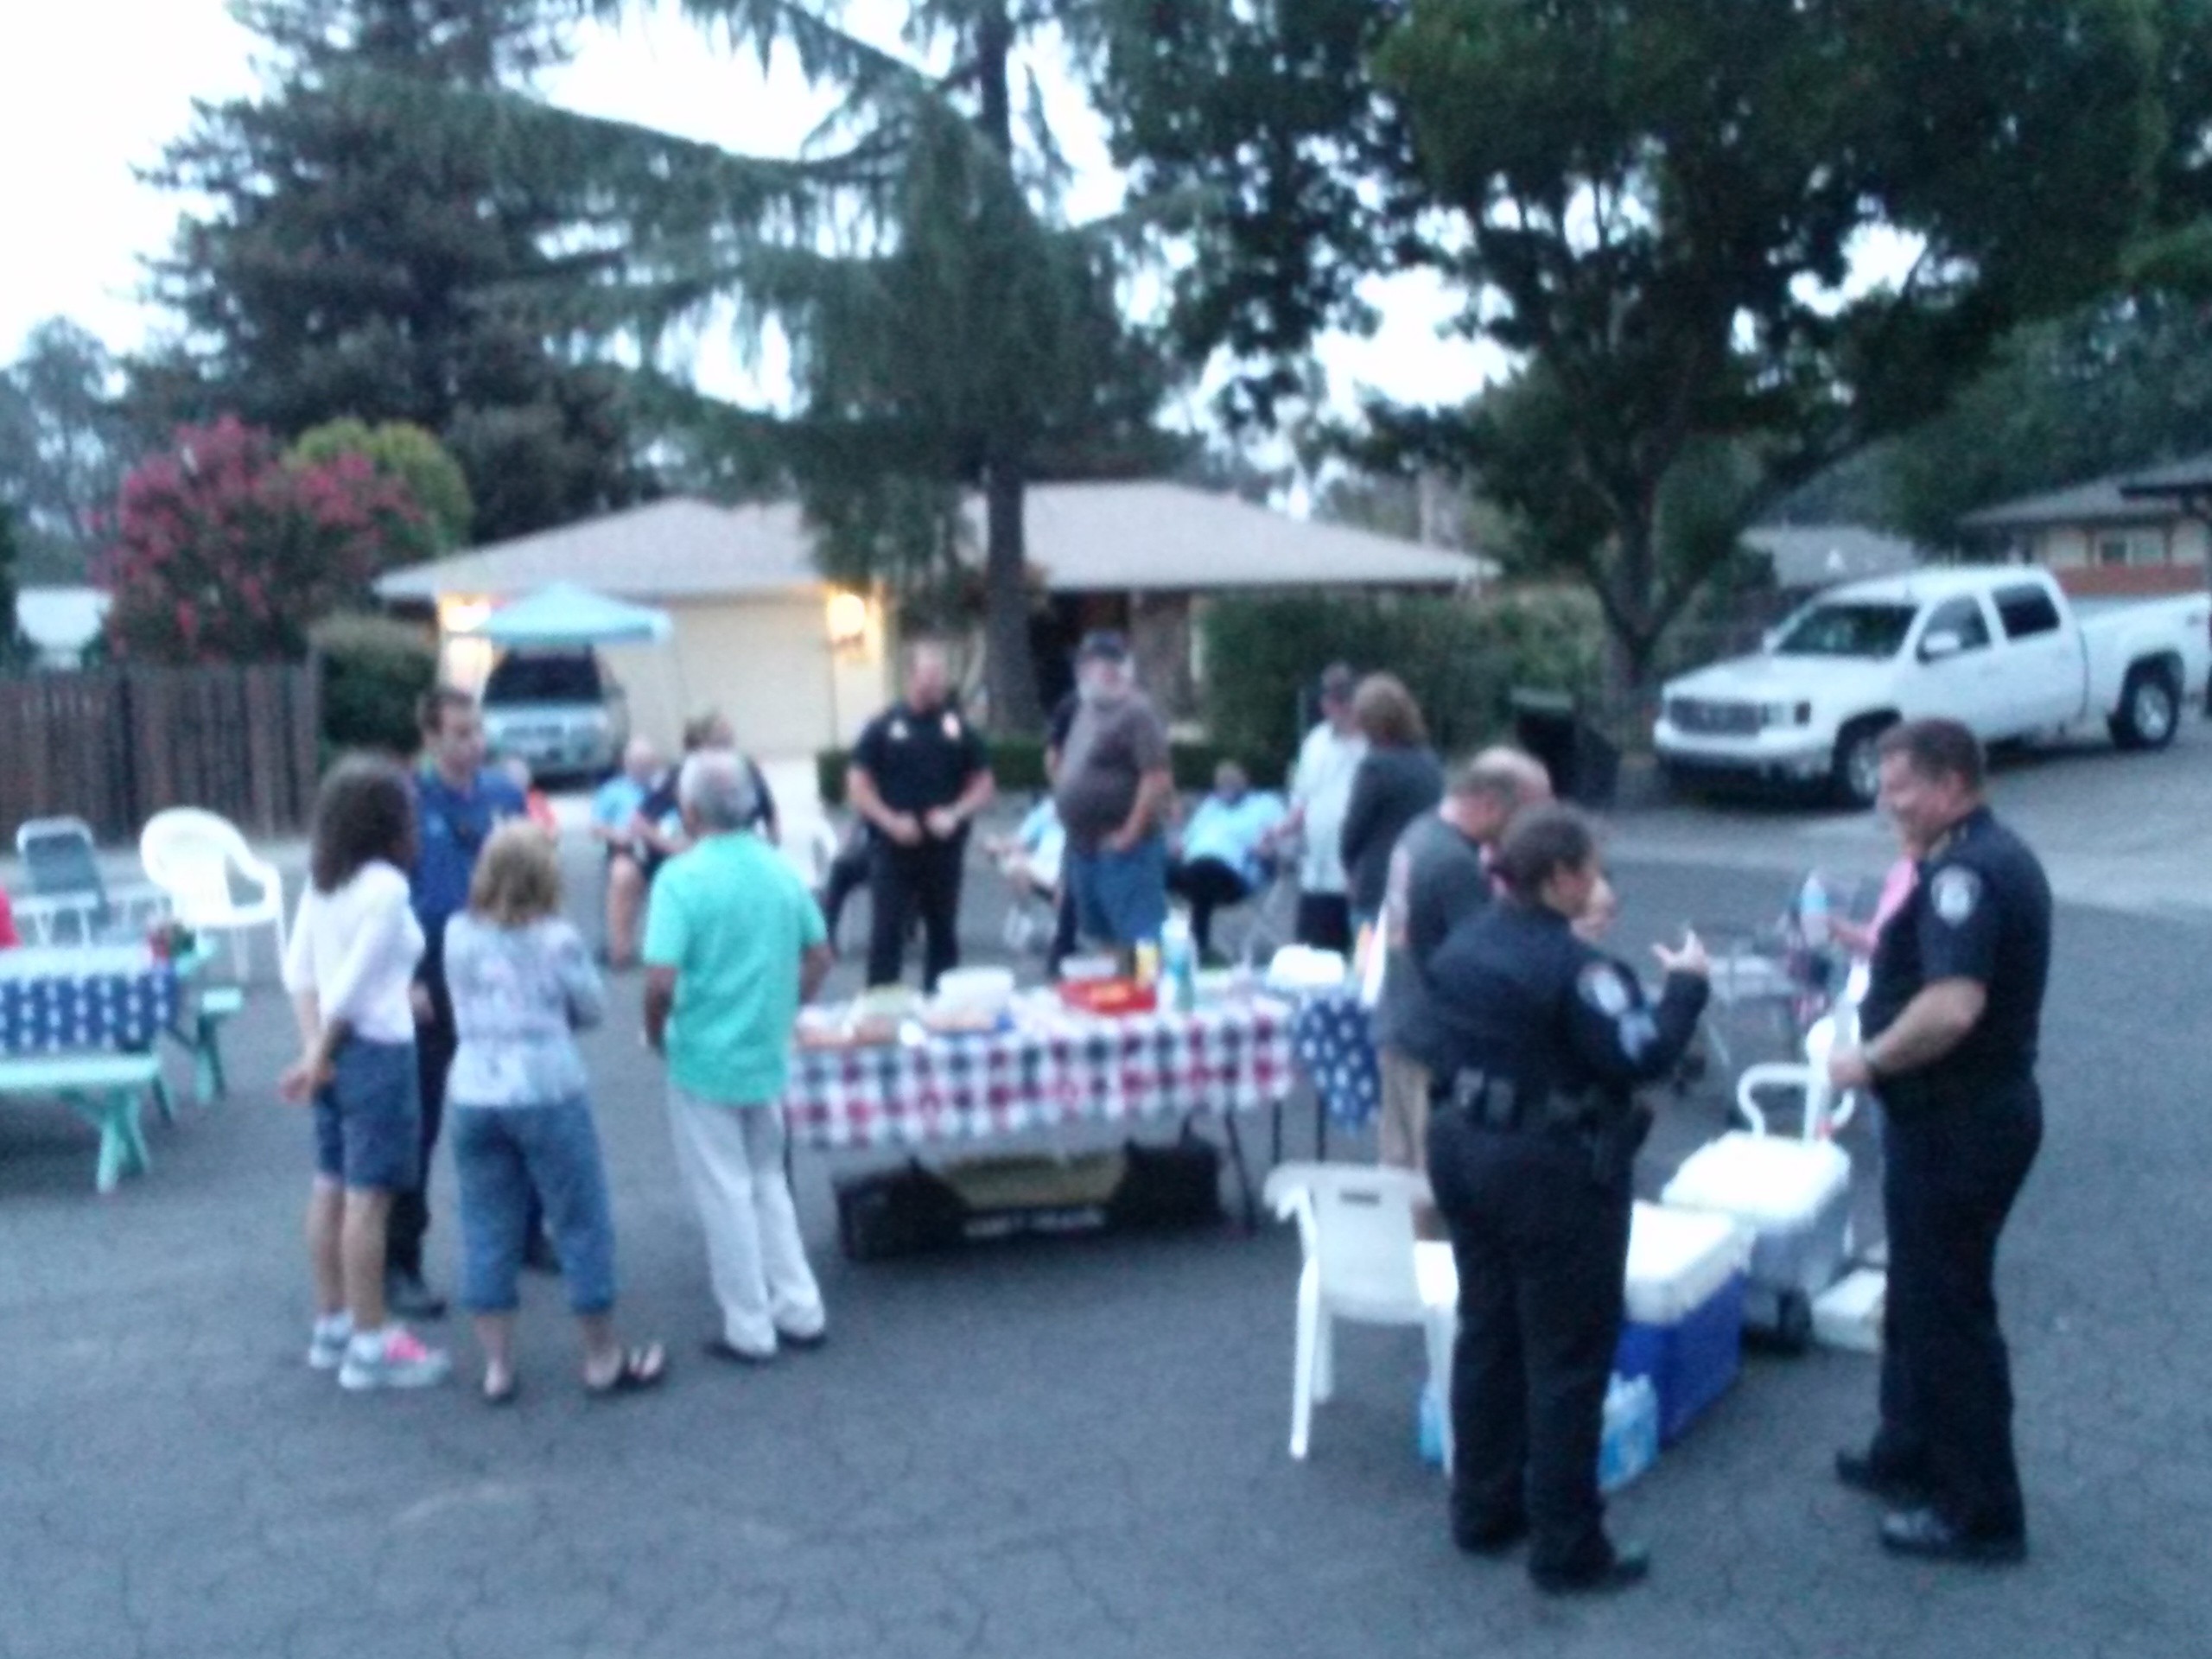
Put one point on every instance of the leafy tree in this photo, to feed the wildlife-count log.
(14, 650)
(1655, 210)
(226, 553)
(354, 262)
(64, 443)
(2122, 384)
(951, 331)
(414, 459)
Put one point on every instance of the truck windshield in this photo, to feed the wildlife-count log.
(1873, 630)
(564, 676)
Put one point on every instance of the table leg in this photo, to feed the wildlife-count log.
(207, 1080)
(122, 1141)
(1243, 1172)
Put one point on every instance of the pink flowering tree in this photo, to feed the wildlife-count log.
(226, 552)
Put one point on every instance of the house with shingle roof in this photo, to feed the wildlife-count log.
(2145, 532)
(798, 665)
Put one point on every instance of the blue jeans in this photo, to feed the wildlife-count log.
(502, 1153)
(1120, 898)
(368, 1119)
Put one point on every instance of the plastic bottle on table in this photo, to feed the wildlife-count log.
(1179, 962)
(1144, 962)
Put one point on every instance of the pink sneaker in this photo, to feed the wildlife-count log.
(394, 1357)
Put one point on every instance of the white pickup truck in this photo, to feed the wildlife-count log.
(1998, 646)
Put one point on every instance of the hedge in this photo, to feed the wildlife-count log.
(374, 669)
(1461, 659)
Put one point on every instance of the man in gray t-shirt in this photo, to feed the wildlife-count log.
(1440, 875)
(1112, 789)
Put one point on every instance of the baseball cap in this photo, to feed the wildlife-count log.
(1102, 646)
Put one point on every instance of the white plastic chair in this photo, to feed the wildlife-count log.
(1825, 1113)
(191, 855)
(1363, 1263)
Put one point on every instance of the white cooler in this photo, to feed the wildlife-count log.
(1794, 1196)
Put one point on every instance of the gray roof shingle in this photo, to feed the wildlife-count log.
(2131, 498)
(1120, 538)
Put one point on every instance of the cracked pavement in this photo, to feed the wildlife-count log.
(1068, 1448)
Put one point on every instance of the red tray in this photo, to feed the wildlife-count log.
(1109, 996)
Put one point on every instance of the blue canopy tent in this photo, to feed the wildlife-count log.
(563, 616)
(562, 613)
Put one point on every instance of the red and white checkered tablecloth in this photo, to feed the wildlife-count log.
(1051, 1068)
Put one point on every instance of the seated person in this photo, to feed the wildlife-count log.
(1219, 858)
(1030, 858)
(614, 825)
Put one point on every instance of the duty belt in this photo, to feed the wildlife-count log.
(1497, 1102)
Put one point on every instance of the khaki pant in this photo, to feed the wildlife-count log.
(1402, 1134)
(733, 1161)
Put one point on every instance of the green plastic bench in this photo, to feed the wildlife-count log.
(217, 1004)
(104, 1089)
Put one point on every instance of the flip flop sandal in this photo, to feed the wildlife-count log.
(641, 1368)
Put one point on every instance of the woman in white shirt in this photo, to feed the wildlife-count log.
(350, 970)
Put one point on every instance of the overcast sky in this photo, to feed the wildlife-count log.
(89, 89)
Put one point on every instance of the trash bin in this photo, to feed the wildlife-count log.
(1584, 764)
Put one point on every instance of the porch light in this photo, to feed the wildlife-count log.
(847, 621)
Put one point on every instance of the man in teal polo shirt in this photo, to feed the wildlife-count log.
(733, 944)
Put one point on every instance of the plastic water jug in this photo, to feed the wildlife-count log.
(1813, 912)
(1429, 1432)
(1631, 1445)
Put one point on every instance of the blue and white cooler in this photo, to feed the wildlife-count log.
(1684, 1323)
(1794, 1196)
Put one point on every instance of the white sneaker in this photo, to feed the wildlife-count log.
(394, 1357)
(327, 1347)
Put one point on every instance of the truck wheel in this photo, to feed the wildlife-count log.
(1855, 772)
(2149, 709)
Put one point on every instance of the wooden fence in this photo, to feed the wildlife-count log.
(114, 747)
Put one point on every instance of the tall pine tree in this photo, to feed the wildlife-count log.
(355, 264)
(952, 331)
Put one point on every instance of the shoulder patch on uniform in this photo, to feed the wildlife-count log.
(1603, 988)
(897, 731)
(1955, 893)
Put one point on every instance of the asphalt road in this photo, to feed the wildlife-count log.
(2128, 831)
(1072, 1450)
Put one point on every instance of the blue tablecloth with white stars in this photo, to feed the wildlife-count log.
(57, 999)
(1332, 1035)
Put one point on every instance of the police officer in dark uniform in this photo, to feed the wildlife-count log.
(1533, 1132)
(919, 774)
(1950, 1022)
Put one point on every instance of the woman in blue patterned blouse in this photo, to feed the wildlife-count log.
(522, 983)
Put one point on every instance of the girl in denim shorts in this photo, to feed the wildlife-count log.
(349, 967)
(522, 981)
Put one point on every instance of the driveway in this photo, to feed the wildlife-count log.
(2127, 832)
(1072, 1450)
